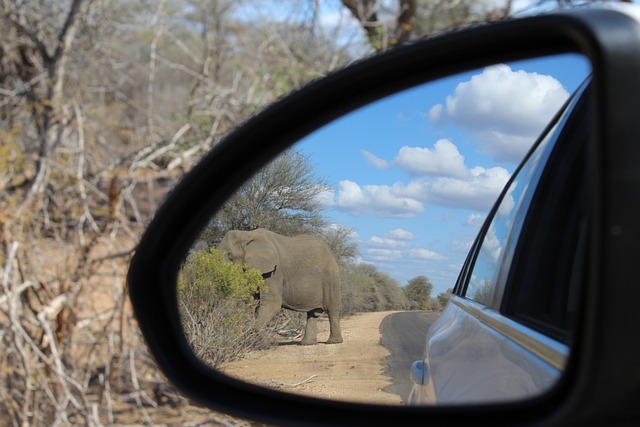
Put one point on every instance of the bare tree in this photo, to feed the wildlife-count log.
(389, 25)
(282, 197)
(381, 34)
(339, 239)
(40, 43)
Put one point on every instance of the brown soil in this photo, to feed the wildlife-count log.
(352, 371)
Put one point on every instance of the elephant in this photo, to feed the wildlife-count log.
(301, 274)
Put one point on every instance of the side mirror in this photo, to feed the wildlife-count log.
(607, 38)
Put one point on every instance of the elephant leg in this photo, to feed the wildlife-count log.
(311, 330)
(335, 336)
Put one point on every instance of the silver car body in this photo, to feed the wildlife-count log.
(479, 356)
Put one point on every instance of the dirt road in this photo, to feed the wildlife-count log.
(352, 371)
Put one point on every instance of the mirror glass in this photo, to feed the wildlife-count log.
(388, 200)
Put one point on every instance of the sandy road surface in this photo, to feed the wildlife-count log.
(351, 371)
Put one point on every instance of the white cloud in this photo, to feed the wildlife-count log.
(435, 114)
(376, 200)
(401, 234)
(394, 239)
(478, 191)
(375, 161)
(389, 243)
(505, 109)
(440, 177)
(461, 247)
(463, 188)
(475, 220)
(455, 267)
(423, 254)
(394, 249)
(390, 254)
(504, 147)
(443, 159)
(384, 254)
(326, 198)
(491, 248)
(508, 203)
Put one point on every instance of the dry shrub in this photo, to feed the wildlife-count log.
(221, 329)
(217, 306)
(71, 351)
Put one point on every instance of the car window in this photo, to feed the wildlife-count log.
(506, 224)
(526, 262)
(545, 274)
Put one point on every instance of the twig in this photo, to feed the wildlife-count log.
(152, 62)
(12, 311)
(162, 150)
(17, 291)
(49, 312)
(80, 174)
(121, 254)
(136, 385)
(286, 385)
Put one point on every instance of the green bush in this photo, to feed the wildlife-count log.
(217, 306)
(365, 288)
(418, 292)
(210, 273)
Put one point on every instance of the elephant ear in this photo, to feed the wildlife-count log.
(260, 253)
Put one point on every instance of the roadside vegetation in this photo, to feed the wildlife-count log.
(216, 297)
(217, 305)
(104, 105)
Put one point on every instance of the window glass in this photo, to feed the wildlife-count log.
(506, 224)
(546, 274)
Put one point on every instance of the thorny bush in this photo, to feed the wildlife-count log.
(217, 304)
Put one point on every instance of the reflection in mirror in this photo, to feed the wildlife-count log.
(360, 230)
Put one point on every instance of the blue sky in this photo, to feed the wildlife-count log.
(414, 174)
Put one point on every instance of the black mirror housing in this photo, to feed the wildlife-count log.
(610, 39)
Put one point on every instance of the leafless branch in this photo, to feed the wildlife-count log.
(278, 384)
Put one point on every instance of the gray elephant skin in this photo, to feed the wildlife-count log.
(301, 274)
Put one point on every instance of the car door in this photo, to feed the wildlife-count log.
(506, 333)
